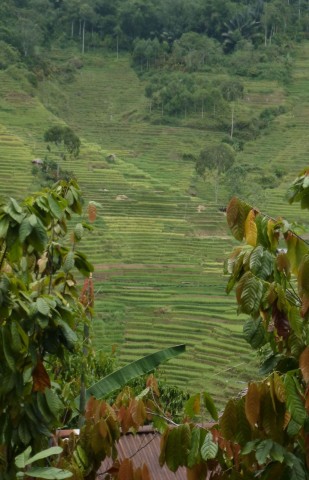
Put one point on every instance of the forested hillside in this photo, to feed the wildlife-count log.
(154, 89)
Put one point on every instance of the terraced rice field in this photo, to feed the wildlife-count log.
(160, 241)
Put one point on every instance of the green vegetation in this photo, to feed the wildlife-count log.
(161, 240)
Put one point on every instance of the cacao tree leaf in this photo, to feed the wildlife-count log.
(22, 458)
(251, 229)
(303, 283)
(43, 454)
(41, 379)
(193, 406)
(194, 456)
(4, 225)
(273, 235)
(277, 452)
(54, 403)
(69, 262)
(251, 295)
(261, 224)
(25, 229)
(281, 321)
(210, 405)
(185, 443)
(50, 473)
(304, 364)
(236, 214)
(33, 220)
(172, 451)
(82, 264)
(78, 231)
(42, 306)
(297, 250)
(253, 404)
(209, 449)
(55, 207)
(254, 332)
(293, 401)
(244, 431)
(263, 450)
(228, 421)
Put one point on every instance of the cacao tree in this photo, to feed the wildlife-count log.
(39, 313)
(263, 433)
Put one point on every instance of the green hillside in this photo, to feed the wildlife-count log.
(160, 240)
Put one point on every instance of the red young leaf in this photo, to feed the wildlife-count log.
(281, 322)
(304, 364)
(41, 380)
(92, 212)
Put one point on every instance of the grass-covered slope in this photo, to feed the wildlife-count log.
(160, 241)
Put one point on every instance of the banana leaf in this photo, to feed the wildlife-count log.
(118, 379)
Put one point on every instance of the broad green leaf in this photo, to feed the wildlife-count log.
(185, 442)
(4, 225)
(263, 450)
(69, 262)
(121, 377)
(44, 454)
(297, 249)
(42, 306)
(294, 403)
(249, 447)
(22, 458)
(172, 451)
(55, 207)
(38, 237)
(277, 452)
(254, 332)
(194, 456)
(228, 421)
(209, 449)
(244, 431)
(261, 262)
(33, 220)
(49, 473)
(78, 231)
(15, 205)
(54, 403)
(69, 336)
(298, 469)
(210, 405)
(82, 264)
(251, 295)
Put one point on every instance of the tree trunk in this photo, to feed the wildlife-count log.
(83, 39)
(117, 46)
(232, 121)
(72, 29)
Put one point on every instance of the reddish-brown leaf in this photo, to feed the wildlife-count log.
(87, 293)
(304, 364)
(279, 388)
(138, 412)
(126, 470)
(40, 377)
(281, 322)
(253, 404)
(92, 212)
(153, 384)
(236, 214)
(251, 229)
